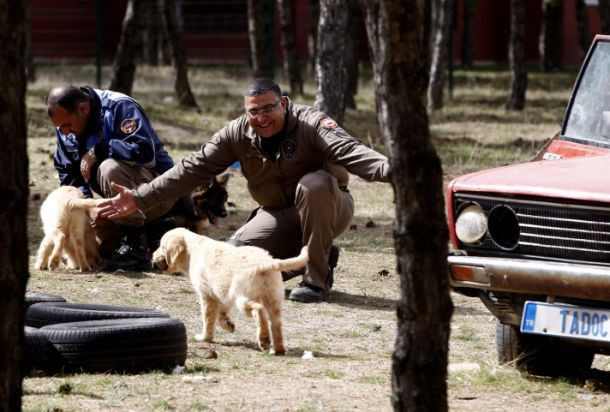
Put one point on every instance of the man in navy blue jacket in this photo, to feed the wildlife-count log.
(103, 137)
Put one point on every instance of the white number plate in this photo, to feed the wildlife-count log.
(566, 321)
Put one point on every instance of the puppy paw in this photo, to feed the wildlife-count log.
(200, 337)
(264, 344)
(228, 325)
(278, 352)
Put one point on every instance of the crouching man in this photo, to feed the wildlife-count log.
(294, 159)
(103, 137)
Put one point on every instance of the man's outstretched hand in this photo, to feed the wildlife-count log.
(123, 204)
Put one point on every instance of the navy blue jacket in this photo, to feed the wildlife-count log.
(120, 131)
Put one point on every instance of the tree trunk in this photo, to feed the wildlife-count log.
(439, 54)
(467, 52)
(330, 61)
(516, 56)
(352, 47)
(181, 84)
(13, 200)
(29, 59)
(551, 36)
(582, 20)
(289, 48)
(419, 362)
(150, 37)
(258, 28)
(130, 45)
(604, 15)
(312, 39)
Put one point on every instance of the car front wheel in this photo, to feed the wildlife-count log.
(540, 355)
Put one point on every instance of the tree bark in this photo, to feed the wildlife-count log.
(289, 48)
(604, 15)
(130, 45)
(582, 20)
(330, 60)
(181, 84)
(312, 38)
(352, 46)
(29, 58)
(13, 200)
(419, 362)
(258, 27)
(516, 56)
(551, 36)
(439, 54)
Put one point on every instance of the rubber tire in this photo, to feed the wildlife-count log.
(541, 355)
(43, 314)
(119, 345)
(38, 297)
(36, 350)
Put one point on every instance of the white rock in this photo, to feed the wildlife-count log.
(464, 367)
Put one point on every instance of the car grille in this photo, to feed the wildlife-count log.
(548, 230)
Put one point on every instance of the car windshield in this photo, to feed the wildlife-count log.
(589, 118)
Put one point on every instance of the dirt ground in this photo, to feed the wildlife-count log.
(351, 337)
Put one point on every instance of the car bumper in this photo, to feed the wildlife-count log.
(579, 281)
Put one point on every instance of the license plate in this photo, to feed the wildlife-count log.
(566, 321)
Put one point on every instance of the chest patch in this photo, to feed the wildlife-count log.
(289, 149)
(328, 123)
(128, 126)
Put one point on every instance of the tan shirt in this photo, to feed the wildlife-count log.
(312, 141)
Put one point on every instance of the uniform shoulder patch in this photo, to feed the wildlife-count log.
(328, 123)
(128, 126)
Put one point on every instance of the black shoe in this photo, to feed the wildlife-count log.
(131, 255)
(307, 293)
(333, 258)
(156, 229)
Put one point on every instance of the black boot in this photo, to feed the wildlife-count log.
(156, 229)
(307, 293)
(333, 259)
(132, 253)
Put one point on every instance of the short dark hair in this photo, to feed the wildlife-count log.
(262, 86)
(66, 96)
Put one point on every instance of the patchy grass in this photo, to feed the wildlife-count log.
(352, 336)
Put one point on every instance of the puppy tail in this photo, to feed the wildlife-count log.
(292, 263)
(83, 204)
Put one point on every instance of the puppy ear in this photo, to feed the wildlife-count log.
(175, 247)
(223, 179)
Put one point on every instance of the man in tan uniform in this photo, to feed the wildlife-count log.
(294, 159)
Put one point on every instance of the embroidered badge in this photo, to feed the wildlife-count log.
(328, 123)
(128, 126)
(289, 149)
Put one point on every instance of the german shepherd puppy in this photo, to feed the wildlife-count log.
(203, 204)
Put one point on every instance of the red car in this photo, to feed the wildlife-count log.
(532, 240)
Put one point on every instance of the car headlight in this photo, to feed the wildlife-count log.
(471, 224)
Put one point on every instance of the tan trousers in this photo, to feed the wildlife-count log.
(112, 170)
(322, 211)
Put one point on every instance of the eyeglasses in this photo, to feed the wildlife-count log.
(265, 111)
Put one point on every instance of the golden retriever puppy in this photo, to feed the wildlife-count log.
(67, 232)
(224, 276)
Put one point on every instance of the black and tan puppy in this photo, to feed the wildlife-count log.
(203, 205)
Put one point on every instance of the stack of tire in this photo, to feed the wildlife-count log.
(72, 337)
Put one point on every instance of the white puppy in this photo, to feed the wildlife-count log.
(225, 276)
(67, 231)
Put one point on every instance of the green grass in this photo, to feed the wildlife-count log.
(352, 337)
